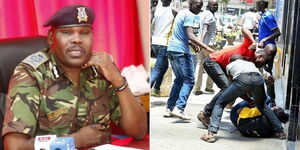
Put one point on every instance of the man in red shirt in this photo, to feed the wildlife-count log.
(215, 66)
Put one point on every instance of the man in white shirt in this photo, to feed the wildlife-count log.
(207, 35)
(162, 22)
(250, 19)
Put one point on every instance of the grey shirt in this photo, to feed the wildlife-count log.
(210, 20)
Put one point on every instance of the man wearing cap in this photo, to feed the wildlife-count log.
(68, 90)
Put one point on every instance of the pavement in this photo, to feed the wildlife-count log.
(176, 134)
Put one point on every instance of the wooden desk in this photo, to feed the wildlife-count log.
(145, 99)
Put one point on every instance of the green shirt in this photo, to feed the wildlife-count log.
(43, 100)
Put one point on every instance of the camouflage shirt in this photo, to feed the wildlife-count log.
(43, 100)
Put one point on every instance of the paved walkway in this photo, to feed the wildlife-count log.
(175, 134)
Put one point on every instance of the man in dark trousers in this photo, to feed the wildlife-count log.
(268, 32)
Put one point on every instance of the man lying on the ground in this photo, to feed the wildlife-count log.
(250, 122)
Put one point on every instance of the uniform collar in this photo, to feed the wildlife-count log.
(55, 70)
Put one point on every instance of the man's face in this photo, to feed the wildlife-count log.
(195, 6)
(260, 5)
(166, 2)
(270, 50)
(214, 6)
(154, 3)
(260, 61)
(72, 46)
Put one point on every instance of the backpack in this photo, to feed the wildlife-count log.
(256, 127)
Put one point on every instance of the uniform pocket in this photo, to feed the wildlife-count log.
(59, 118)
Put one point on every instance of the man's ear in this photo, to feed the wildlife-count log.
(50, 37)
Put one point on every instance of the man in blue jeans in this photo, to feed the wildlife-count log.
(181, 58)
(246, 79)
(163, 18)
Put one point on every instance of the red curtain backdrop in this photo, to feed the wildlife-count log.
(116, 27)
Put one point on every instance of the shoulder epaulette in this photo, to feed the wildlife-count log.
(36, 59)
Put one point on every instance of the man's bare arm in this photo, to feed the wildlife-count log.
(196, 41)
(204, 32)
(18, 141)
(134, 118)
(271, 37)
(246, 33)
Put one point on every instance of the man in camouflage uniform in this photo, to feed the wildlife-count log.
(68, 90)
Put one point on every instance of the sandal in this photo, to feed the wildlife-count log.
(280, 135)
(208, 137)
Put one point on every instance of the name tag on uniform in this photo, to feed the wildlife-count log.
(54, 114)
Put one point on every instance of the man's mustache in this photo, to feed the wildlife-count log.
(76, 47)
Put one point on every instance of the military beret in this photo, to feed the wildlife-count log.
(73, 15)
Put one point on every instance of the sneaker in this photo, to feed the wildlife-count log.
(185, 116)
(209, 90)
(168, 113)
(202, 118)
(155, 93)
(208, 137)
(197, 92)
(180, 114)
(280, 135)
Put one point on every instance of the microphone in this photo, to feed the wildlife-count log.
(63, 143)
(43, 142)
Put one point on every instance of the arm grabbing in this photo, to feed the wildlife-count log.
(196, 41)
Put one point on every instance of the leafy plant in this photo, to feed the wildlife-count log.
(233, 33)
(225, 1)
(219, 38)
(220, 42)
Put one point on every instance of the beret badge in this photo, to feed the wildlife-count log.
(81, 15)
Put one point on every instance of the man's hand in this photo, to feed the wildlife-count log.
(252, 47)
(194, 47)
(91, 135)
(261, 44)
(210, 50)
(271, 79)
(134, 118)
(252, 103)
(104, 63)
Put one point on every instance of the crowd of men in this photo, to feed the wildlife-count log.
(187, 42)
